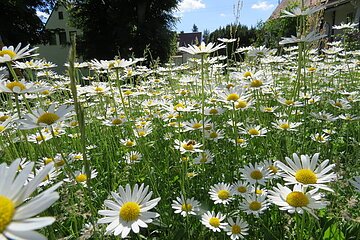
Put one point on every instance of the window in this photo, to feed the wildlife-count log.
(61, 15)
(350, 17)
(52, 40)
(62, 38)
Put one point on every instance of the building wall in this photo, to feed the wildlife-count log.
(57, 50)
(341, 14)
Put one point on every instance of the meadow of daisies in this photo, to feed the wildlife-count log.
(266, 147)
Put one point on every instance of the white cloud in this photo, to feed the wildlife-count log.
(222, 15)
(43, 16)
(264, 5)
(190, 5)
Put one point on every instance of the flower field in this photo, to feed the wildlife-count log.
(264, 148)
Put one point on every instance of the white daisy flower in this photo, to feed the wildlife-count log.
(307, 171)
(296, 200)
(130, 211)
(190, 146)
(20, 87)
(202, 49)
(17, 208)
(241, 188)
(286, 125)
(132, 157)
(237, 229)
(253, 131)
(204, 157)
(221, 193)
(128, 143)
(254, 204)
(8, 54)
(213, 221)
(40, 118)
(257, 173)
(81, 177)
(190, 206)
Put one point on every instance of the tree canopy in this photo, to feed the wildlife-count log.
(124, 27)
(19, 22)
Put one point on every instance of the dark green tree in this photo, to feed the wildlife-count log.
(195, 28)
(123, 27)
(19, 22)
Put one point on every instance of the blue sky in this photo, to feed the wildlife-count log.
(211, 14)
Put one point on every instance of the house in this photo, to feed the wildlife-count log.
(184, 40)
(335, 12)
(57, 49)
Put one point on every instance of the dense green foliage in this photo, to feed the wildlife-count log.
(124, 27)
(19, 22)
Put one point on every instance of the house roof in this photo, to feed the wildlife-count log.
(186, 39)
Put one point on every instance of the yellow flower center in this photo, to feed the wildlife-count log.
(230, 85)
(2, 128)
(242, 189)
(214, 221)
(233, 97)
(223, 194)
(213, 135)
(128, 92)
(241, 104)
(48, 118)
(116, 121)
(99, 89)
(240, 140)
(256, 174)
(197, 125)
(179, 105)
(129, 143)
(253, 131)
(235, 229)
(338, 104)
(186, 207)
(142, 133)
(4, 118)
(60, 163)
(46, 92)
(12, 85)
(48, 160)
(130, 211)
(311, 69)
(7, 210)
(306, 176)
(188, 146)
(255, 206)
(247, 74)
(134, 157)
(183, 92)
(256, 83)
(12, 54)
(273, 169)
(284, 126)
(258, 191)
(268, 109)
(81, 178)
(289, 102)
(74, 123)
(40, 138)
(319, 138)
(214, 111)
(297, 199)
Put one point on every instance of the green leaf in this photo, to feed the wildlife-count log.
(333, 233)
